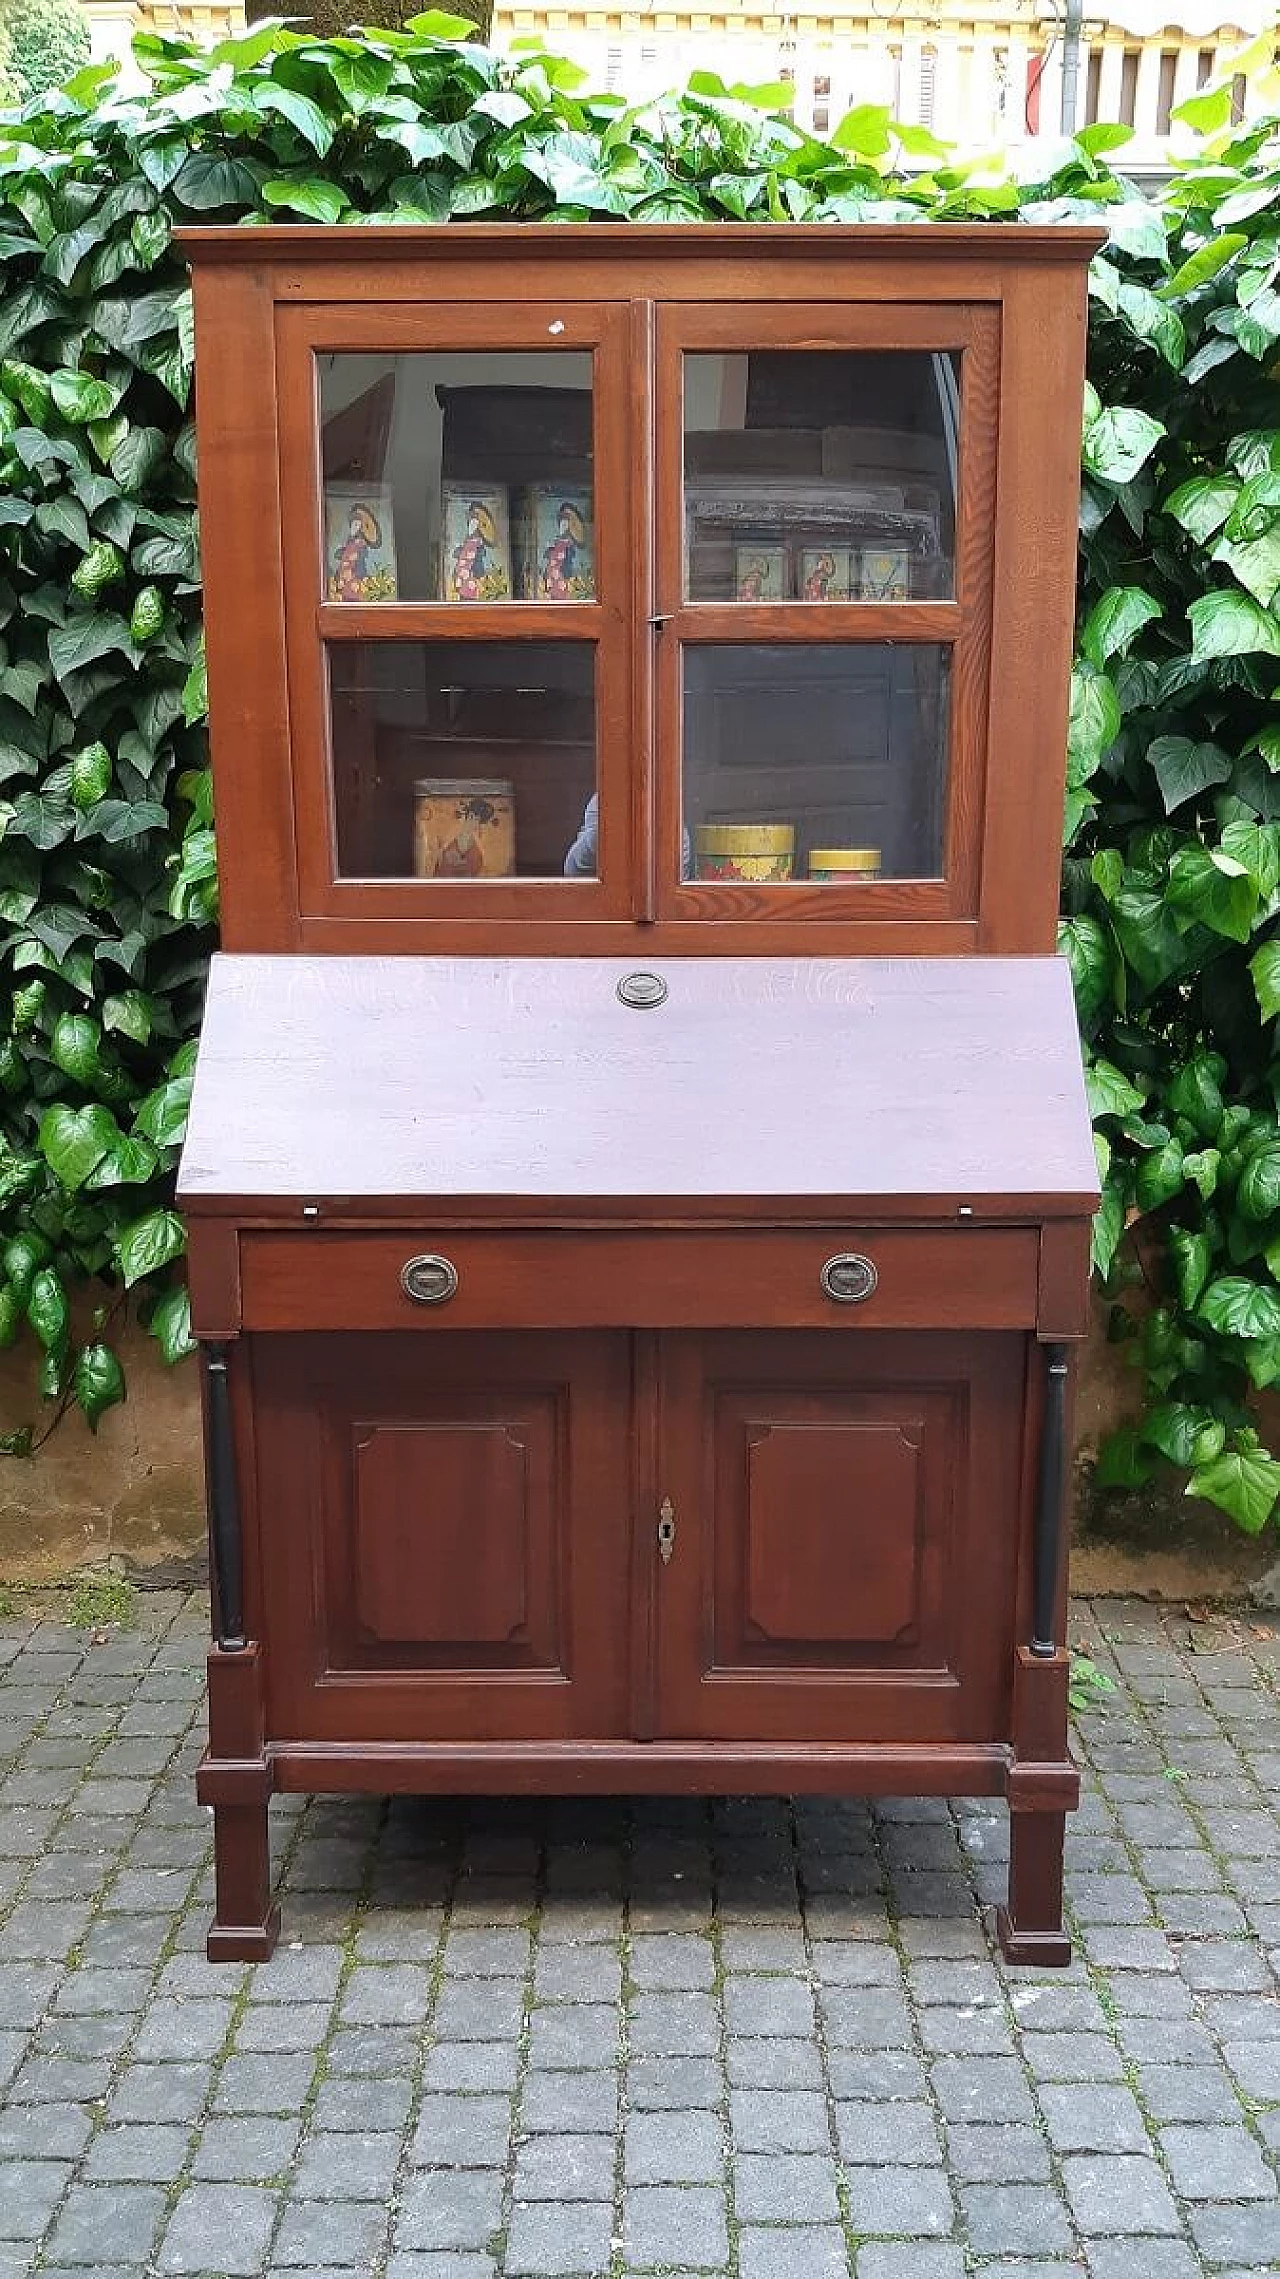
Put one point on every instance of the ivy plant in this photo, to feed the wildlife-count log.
(107, 881)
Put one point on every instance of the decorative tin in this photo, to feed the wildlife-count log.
(843, 866)
(475, 543)
(828, 573)
(464, 829)
(885, 574)
(760, 853)
(359, 544)
(553, 543)
(761, 573)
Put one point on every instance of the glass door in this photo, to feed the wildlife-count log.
(458, 584)
(825, 482)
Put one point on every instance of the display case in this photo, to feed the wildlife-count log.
(639, 1178)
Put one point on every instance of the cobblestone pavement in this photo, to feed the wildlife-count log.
(747, 2038)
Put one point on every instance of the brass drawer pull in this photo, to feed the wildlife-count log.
(848, 1278)
(429, 1280)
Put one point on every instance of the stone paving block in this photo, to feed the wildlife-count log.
(779, 2120)
(1118, 2194)
(1092, 2119)
(471, 2066)
(160, 2092)
(1015, 2219)
(769, 2006)
(1141, 2259)
(248, 2149)
(809, 2251)
(982, 2089)
(900, 2202)
(315, 2235)
(230, 2222)
(442, 2208)
(758, 2064)
(575, 2101)
(675, 2084)
(1007, 2153)
(668, 2025)
(564, 2168)
(137, 2152)
(448, 2266)
(680, 1961)
(29, 2192)
(1210, 2163)
(1248, 2235)
(106, 2223)
(656, 2152)
(914, 2259)
(545, 2241)
(675, 2224)
(901, 2133)
(577, 2034)
(462, 2132)
(347, 2165)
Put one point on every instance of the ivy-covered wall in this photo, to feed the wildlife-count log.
(107, 895)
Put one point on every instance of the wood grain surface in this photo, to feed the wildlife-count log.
(526, 1079)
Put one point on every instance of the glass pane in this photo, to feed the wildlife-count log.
(457, 476)
(820, 475)
(816, 764)
(464, 760)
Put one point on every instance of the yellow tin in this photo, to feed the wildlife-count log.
(843, 864)
(757, 853)
(463, 828)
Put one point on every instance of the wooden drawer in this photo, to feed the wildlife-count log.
(966, 1278)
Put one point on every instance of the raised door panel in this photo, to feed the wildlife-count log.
(447, 1526)
(846, 1536)
(453, 1537)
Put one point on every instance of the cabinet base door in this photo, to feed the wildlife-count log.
(445, 1530)
(846, 1531)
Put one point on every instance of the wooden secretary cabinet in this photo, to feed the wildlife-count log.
(638, 1174)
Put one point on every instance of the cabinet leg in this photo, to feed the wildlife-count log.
(246, 1921)
(1030, 1927)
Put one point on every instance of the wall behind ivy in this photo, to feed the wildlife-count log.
(107, 891)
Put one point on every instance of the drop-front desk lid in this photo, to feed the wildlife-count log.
(910, 1085)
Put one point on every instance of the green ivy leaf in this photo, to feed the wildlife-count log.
(48, 1311)
(1114, 622)
(1238, 1307)
(1243, 1482)
(1094, 720)
(1209, 888)
(97, 1382)
(1192, 1256)
(1087, 948)
(318, 201)
(1203, 504)
(1185, 1434)
(170, 1325)
(1119, 442)
(1196, 1092)
(1258, 1193)
(1227, 624)
(73, 1142)
(148, 1244)
(80, 398)
(1159, 1176)
(1110, 1093)
(1184, 769)
(1264, 965)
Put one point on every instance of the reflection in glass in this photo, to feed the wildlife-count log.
(463, 760)
(820, 475)
(458, 476)
(819, 763)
